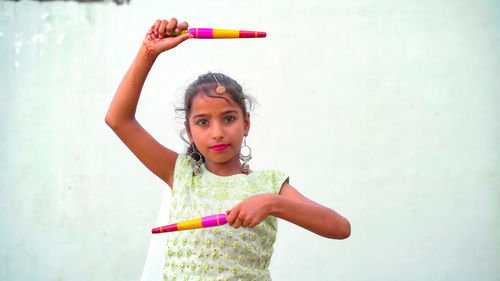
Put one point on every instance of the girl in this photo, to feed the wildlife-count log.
(210, 178)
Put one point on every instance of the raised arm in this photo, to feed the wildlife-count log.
(121, 113)
(294, 207)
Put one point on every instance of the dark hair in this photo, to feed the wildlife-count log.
(206, 84)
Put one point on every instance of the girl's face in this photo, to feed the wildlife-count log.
(217, 127)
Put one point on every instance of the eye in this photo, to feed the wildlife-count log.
(229, 118)
(202, 122)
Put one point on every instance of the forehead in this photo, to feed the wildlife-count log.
(203, 104)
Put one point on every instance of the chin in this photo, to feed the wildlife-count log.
(220, 159)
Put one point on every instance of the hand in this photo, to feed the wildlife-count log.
(159, 37)
(251, 211)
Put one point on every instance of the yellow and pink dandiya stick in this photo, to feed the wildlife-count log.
(208, 221)
(214, 33)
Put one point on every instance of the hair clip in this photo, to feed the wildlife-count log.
(220, 89)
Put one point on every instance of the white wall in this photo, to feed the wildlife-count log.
(386, 111)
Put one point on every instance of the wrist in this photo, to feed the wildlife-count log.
(273, 204)
(148, 52)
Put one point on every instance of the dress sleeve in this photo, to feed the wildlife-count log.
(182, 169)
(279, 178)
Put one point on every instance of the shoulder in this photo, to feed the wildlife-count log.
(182, 160)
(182, 164)
(272, 178)
(182, 170)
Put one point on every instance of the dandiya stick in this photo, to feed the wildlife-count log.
(214, 33)
(208, 221)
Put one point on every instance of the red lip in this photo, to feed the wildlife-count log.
(219, 147)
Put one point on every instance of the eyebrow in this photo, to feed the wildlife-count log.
(204, 114)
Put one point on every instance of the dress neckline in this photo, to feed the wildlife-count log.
(205, 170)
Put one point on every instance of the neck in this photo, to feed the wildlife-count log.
(232, 167)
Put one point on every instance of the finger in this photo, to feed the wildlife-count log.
(179, 39)
(245, 223)
(161, 29)
(237, 222)
(253, 224)
(156, 26)
(151, 32)
(228, 212)
(233, 214)
(236, 217)
(181, 26)
(171, 25)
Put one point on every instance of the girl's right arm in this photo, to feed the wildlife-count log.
(121, 113)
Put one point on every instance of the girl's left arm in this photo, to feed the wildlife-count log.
(294, 207)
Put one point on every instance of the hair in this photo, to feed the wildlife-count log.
(206, 84)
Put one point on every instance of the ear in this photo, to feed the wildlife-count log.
(188, 131)
(246, 124)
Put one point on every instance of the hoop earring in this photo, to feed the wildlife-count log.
(245, 156)
(195, 158)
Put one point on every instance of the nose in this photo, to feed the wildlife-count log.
(217, 131)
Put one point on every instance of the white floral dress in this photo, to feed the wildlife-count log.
(218, 253)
